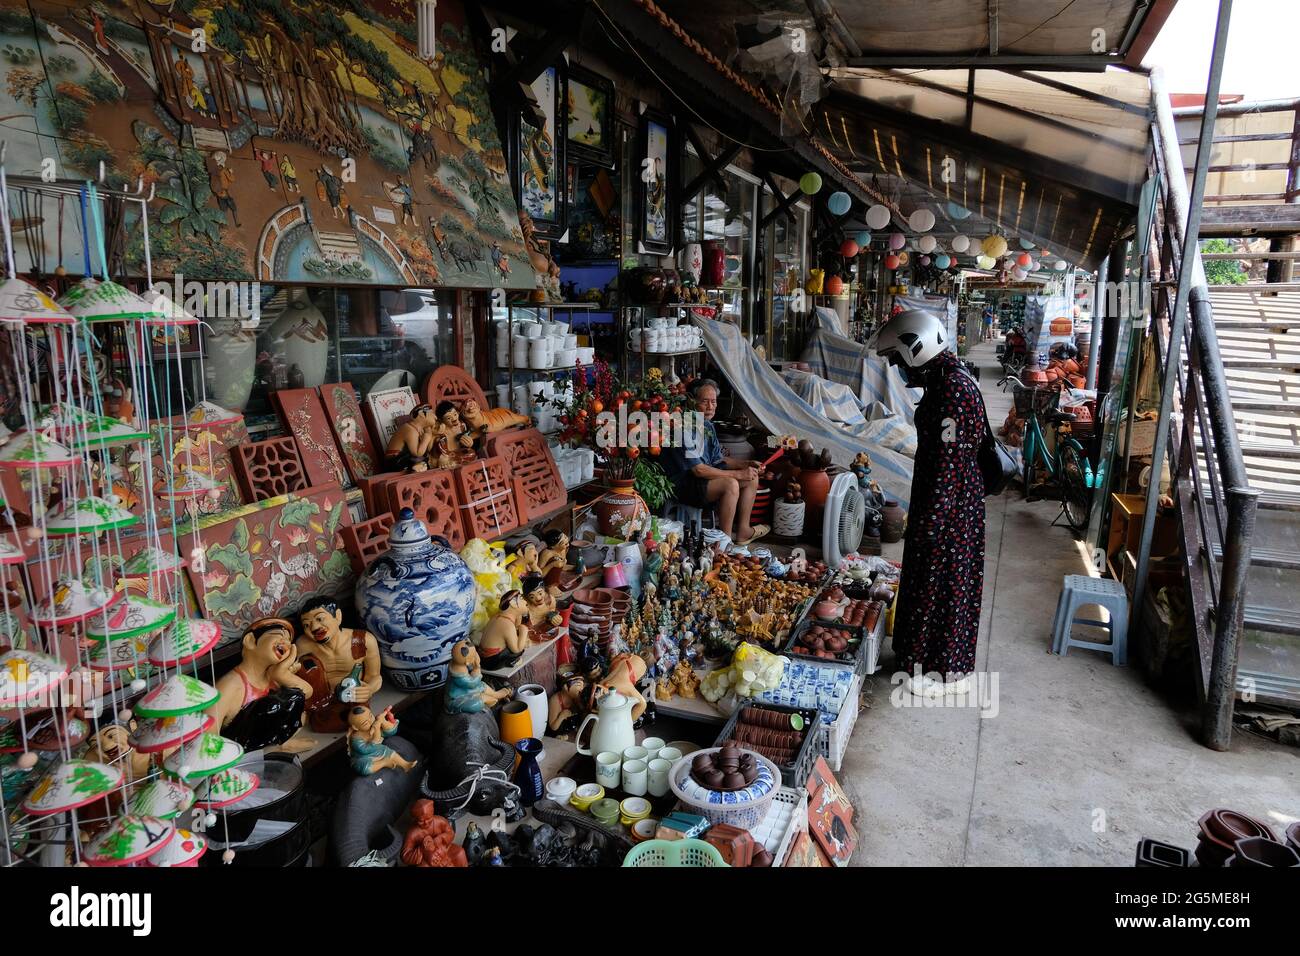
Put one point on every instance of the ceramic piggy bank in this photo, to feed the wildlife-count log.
(418, 601)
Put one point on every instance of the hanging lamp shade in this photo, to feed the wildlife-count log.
(35, 450)
(207, 414)
(163, 733)
(178, 694)
(183, 849)
(10, 553)
(20, 301)
(89, 515)
(994, 246)
(134, 617)
(189, 484)
(129, 839)
(152, 561)
(921, 220)
(203, 756)
(878, 216)
(958, 212)
(96, 300)
(73, 601)
(185, 641)
(71, 784)
(927, 244)
(27, 674)
(224, 788)
(104, 431)
(166, 310)
(960, 243)
(162, 797)
(118, 654)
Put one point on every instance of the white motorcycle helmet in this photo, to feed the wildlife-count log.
(914, 337)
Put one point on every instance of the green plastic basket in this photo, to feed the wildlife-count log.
(674, 853)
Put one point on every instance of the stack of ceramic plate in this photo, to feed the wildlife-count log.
(762, 509)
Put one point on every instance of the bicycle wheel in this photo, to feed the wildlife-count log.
(1076, 497)
(1029, 459)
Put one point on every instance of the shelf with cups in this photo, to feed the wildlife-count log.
(534, 356)
(647, 335)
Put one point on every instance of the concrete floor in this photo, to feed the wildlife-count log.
(1081, 760)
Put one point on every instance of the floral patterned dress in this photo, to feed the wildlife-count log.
(943, 553)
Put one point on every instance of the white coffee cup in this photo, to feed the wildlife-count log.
(671, 754)
(653, 744)
(658, 776)
(608, 767)
(635, 777)
(636, 753)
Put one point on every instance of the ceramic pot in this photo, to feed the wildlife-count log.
(1262, 852)
(418, 600)
(715, 265)
(620, 506)
(691, 261)
(303, 338)
(788, 518)
(893, 522)
(231, 353)
(1293, 837)
(534, 695)
(816, 485)
(1220, 830)
(528, 776)
(646, 286)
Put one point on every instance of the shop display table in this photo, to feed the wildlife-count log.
(328, 744)
(537, 666)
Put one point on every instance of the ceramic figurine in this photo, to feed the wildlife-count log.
(542, 613)
(466, 691)
(554, 561)
(798, 562)
(654, 563)
(413, 440)
(366, 748)
(526, 561)
(112, 745)
(263, 699)
(340, 664)
(431, 839)
(460, 440)
(625, 672)
(564, 708)
(488, 421)
(474, 844)
(506, 636)
(418, 600)
(684, 680)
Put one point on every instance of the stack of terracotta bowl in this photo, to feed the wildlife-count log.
(620, 601)
(1220, 831)
(592, 616)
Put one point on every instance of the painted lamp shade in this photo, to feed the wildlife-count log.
(10, 553)
(189, 484)
(89, 515)
(103, 431)
(162, 797)
(118, 654)
(207, 414)
(166, 310)
(73, 601)
(134, 617)
(95, 300)
(26, 674)
(184, 849)
(152, 561)
(178, 694)
(34, 450)
(203, 756)
(129, 839)
(186, 640)
(20, 301)
(225, 788)
(163, 733)
(71, 784)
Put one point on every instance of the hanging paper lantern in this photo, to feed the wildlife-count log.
(838, 203)
(164, 733)
(1061, 265)
(925, 260)
(203, 756)
(1024, 259)
(994, 246)
(958, 212)
(848, 248)
(129, 839)
(93, 300)
(179, 694)
(1019, 272)
(134, 617)
(810, 183)
(834, 285)
(1035, 265)
(942, 260)
(897, 241)
(20, 301)
(25, 675)
(904, 258)
(161, 797)
(1026, 244)
(186, 640)
(878, 217)
(891, 262)
(960, 243)
(207, 414)
(89, 515)
(926, 243)
(71, 784)
(985, 262)
(152, 561)
(862, 238)
(182, 850)
(34, 450)
(72, 602)
(224, 788)
(921, 220)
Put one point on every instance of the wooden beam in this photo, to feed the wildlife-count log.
(783, 202)
(543, 55)
(712, 167)
(1280, 220)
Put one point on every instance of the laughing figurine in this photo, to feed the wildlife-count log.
(262, 698)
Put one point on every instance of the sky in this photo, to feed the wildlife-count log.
(1261, 63)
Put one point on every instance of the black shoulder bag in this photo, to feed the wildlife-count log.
(997, 464)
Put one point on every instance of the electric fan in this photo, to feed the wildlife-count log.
(843, 520)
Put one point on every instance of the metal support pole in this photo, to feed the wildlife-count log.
(1098, 318)
(1116, 263)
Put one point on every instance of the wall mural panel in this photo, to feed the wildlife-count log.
(250, 140)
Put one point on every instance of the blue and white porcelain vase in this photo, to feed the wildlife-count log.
(418, 600)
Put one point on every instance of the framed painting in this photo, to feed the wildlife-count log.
(538, 158)
(385, 409)
(830, 815)
(589, 117)
(657, 178)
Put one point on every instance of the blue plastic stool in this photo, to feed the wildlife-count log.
(690, 516)
(1079, 591)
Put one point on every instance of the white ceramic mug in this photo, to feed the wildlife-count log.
(658, 776)
(634, 777)
(608, 767)
(653, 744)
(635, 753)
(671, 754)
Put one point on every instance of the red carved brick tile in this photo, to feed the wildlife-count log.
(432, 496)
(488, 496)
(367, 540)
(304, 417)
(528, 459)
(265, 469)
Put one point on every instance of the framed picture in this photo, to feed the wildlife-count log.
(537, 158)
(830, 815)
(589, 117)
(165, 340)
(656, 178)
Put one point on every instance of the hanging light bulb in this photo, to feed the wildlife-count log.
(425, 28)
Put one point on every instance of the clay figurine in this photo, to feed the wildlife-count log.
(625, 672)
(554, 560)
(491, 420)
(653, 566)
(798, 562)
(506, 636)
(565, 706)
(526, 561)
(413, 440)
(466, 691)
(861, 469)
(431, 839)
(460, 441)
(366, 748)
(262, 697)
(341, 664)
(542, 613)
(684, 681)
(112, 745)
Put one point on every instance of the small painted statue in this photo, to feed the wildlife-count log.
(413, 440)
(431, 839)
(366, 748)
(467, 693)
(554, 561)
(263, 700)
(506, 636)
(459, 439)
(542, 611)
(625, 672)
(564, 709)
(340, 664)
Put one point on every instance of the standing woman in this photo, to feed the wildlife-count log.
(938, 616)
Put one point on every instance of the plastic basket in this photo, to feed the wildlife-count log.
(694, 853)
(835, 734)
(786, 818)
(793, 774)
(1042, 399)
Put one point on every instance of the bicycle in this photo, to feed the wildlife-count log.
(1068, 466)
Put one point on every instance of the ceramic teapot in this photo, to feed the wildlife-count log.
(418, 600)
(613, 731)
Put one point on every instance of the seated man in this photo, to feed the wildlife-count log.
(701, 475)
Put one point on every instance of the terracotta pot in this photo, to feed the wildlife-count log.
(1220, 830)
(620, 506)
(816, 485)
(1263, 852)
(893, 523)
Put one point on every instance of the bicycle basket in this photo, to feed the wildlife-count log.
(1042, 399)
